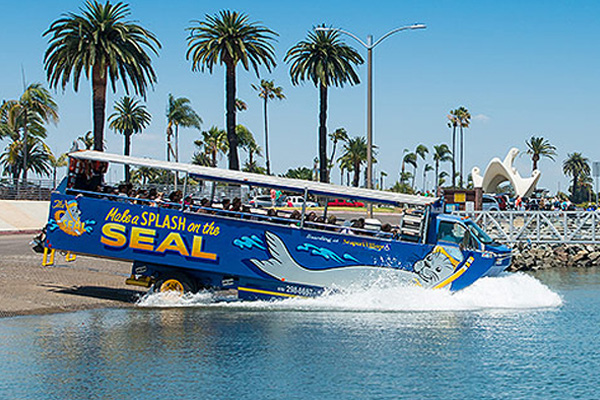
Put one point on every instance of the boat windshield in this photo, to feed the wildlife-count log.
(478, 232)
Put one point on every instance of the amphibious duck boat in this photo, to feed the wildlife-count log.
(179, 246)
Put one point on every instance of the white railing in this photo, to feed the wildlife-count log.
(538, 226)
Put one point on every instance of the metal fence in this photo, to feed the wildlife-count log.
(538, 226)
(38, 189)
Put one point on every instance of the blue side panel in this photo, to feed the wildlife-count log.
(210, 243)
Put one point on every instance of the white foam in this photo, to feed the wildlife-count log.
(510, 291)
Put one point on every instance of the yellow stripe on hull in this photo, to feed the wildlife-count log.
(455, 275)
(245, 289)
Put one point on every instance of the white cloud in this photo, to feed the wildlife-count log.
(481, 118)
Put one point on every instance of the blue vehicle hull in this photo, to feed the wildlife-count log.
(257, 258)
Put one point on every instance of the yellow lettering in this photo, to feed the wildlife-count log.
(181, 225)
(112, 235)
(135, 220)
(197, 250)
(142, 238)
(173, 242)
(144, 220)
(111, 214)
(151, 218)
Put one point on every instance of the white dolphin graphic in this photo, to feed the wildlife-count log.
(431, 270)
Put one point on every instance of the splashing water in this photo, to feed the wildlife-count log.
(509, 291)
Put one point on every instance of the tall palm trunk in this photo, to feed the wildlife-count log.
(323, 133)
(402, 172)
(127, 151)
(413, 178)
(267, 138)
(437, 176)
(176, 142)
(356, 174)
(462, 153)
(454, 156)
(99, 104)
(234, 162)
(25, 150)
(535, 159)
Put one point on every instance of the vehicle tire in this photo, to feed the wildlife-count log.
(172, 282)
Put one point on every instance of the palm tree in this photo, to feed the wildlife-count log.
(464, 120)
(441, 153)
(441, 178)
(230, 38)
(355, 154)
(87, 140)
(339, 135)
(382, 175)
(459, 118)
(247, 142)
(214, 142)
(538, 147)
(326, 61)
(26, 116)
(179, 113)
(410, 159)
(38, 158)
(577, 167)
(144, 175)
(130, 117)
(304, 173)
(201, 158)
(102, 45)
(453, 123)
(240, 105)
(56, 163)
(427, 168)
(421, 151)
(268, 91)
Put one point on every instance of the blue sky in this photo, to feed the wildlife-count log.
(522, 68)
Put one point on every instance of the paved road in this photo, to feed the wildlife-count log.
(28, 288)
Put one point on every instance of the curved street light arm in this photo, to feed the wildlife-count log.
(322, 28)
(390, 33)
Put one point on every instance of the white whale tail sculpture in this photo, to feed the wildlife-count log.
(499, 171)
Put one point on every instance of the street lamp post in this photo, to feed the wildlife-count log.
(370, 46)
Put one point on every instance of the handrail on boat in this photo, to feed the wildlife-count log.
(240, 214)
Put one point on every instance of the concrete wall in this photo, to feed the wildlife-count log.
(22, 215)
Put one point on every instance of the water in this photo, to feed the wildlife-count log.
(514, 337)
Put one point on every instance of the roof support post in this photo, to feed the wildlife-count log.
(185, 182)
(304, 208)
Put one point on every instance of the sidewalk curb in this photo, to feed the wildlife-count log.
(21, 232)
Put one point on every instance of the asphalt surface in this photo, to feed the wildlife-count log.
(28, 288)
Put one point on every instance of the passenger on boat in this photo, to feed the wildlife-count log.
(175, 198)
(332, 220)
(226, 203)
(386, 231)
(236, 205)
(188, 202)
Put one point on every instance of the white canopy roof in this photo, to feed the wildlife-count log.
(246, 178)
